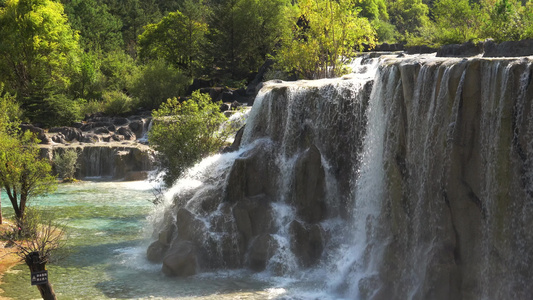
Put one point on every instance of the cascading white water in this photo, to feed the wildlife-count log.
(414, 182)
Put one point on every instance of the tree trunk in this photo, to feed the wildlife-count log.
(46, 290)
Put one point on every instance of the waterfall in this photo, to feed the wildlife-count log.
(410, 178)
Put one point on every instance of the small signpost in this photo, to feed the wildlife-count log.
(39, 277)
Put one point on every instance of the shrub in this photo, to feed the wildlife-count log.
(66, 164)
(157, 82)
(59, 110)
(185, 132)
(117, 103)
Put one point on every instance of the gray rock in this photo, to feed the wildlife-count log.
(310, 186)
(180, 259)
(261, 251)
(460, 50)
(509, 48)
(69, 133)
(126, 133)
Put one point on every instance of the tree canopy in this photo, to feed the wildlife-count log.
(38, 48)
(325, 35)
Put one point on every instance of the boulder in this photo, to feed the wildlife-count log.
(236, 142)
(261, 251)
(69, 133)
(253, 217)
(307, 243)
(180, 259)
(310, 186)
(198, 84)
(120, 121)
(90, 138)
(460, 50)
(156, 252)
(251, 175)
(126, 133)
(420, 49)
(509, 48)
(255, 85)
(137, 127)
(59, 138)
(189, 226)
(101, 130)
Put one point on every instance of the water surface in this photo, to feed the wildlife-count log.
(107, 238)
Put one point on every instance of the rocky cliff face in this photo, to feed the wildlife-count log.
(125, 161)
(413, 184)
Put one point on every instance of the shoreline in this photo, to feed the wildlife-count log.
(8, 259)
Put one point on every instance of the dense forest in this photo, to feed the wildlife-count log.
(62, 60)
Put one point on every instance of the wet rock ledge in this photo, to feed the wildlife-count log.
(112, 148)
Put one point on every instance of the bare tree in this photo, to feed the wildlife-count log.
(37, 245)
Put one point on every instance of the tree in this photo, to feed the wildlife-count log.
(178, 39)
(39, 50)
(9, 115)
(325, 35)
(508, 20)
(35, 248)
(156, 82)
(408, 15)
(134, 14)
(184, 132)
(458, 21)
(99, 29)
(23, 174)
(244, 32)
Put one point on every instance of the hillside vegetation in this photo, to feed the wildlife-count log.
(64, 59)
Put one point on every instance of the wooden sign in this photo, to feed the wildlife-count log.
(39, 277)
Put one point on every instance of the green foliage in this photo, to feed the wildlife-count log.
(509, 20)
(60, 110)
(244, 32)
(373, 9)
(408, 15)
(385, 31)
(157, 82)
(326, 34)
(458, 21)
(119, 70)
(116, 103)
(39, 50)
(99, 29)
(178, 38)
(91, 107)
(23, 174)
(134, 14)
(185, 132)
(66, 163)
(10, 111)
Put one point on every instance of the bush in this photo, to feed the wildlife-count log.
(386, 32)
(157, 82)
(66, 164)
(117, 103)
(185, 132)
(59, 110)
(91, 107)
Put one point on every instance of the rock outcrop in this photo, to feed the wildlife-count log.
(419, 189)
(107, 160)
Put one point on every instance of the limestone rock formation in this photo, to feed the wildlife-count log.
(415, 183)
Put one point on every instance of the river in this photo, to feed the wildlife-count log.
(108, 234)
